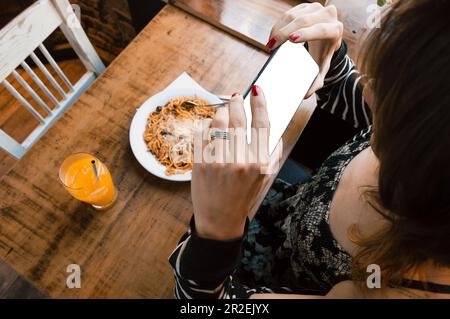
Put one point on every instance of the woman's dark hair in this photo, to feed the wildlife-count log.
(408, 62)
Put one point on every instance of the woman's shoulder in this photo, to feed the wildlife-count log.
(358, 290)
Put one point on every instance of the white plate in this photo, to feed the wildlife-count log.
(139, 122)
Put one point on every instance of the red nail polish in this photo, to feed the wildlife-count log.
(271, 43)
(234, 94)
(255, 90)
(294, 37)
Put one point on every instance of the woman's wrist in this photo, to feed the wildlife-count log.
(219, 231)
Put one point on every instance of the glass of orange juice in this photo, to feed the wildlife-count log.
(87, 179)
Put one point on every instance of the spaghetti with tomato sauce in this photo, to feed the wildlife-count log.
(169, 133)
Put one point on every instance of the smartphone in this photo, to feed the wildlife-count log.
(285, 79)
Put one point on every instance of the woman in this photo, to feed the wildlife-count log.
(379, 202)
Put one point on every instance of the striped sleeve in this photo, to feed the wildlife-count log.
(342, 93)
(204, 269)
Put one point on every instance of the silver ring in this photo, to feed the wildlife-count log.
(220, 135)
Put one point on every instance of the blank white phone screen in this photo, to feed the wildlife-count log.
(285, 82)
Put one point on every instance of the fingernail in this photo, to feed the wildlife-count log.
(234, 94)
(271, 43)
(255, 90)
(294, 37)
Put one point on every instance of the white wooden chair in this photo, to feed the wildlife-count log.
(19, 40)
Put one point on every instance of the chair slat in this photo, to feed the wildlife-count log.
(47, 74)
(82, 84)
(56, 67)
(78, 38)
(30, 90)
(10, 145)
(24, 33)
(20, 39)
(39, 82)
(22, 100)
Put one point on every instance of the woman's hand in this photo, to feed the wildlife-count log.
(315, 24)
(223, 192)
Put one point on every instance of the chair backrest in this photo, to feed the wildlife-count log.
(19, 40)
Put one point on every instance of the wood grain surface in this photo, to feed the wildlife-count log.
(250, 20)
(13, 286)
(122, 252)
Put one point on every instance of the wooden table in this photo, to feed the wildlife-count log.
(250, 20)
(122, 252)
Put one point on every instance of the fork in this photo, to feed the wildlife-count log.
(216, 105)
(225, 98)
